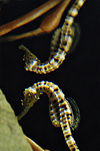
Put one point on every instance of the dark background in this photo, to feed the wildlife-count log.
(78, 76)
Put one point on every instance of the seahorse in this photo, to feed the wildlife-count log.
(64, 36)
(60, 109)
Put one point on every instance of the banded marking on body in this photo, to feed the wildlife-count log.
(64, 36)
(60, 110)
(70, 141)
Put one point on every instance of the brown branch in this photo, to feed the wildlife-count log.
(4, 29)
(50, 22)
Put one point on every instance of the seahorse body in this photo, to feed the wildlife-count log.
(61, 113)
(58, 51)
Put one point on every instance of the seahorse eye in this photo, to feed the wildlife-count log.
(31, 96)
(29, 99)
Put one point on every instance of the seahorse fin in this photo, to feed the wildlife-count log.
(76, 29)
(76, 113)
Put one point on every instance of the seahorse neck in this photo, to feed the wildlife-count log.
(52, 90)
(46, 87)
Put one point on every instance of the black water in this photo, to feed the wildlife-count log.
(78, 76)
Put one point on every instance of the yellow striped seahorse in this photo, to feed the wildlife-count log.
(60, 109)
(65, 36)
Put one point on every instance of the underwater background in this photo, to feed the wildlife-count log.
(78, 76)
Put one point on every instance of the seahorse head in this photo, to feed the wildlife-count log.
(30, 97)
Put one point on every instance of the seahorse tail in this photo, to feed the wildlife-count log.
(67, 132)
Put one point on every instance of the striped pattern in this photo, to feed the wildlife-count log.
(67, 132)
(61, 113)
(63, 36)
(54, 112)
